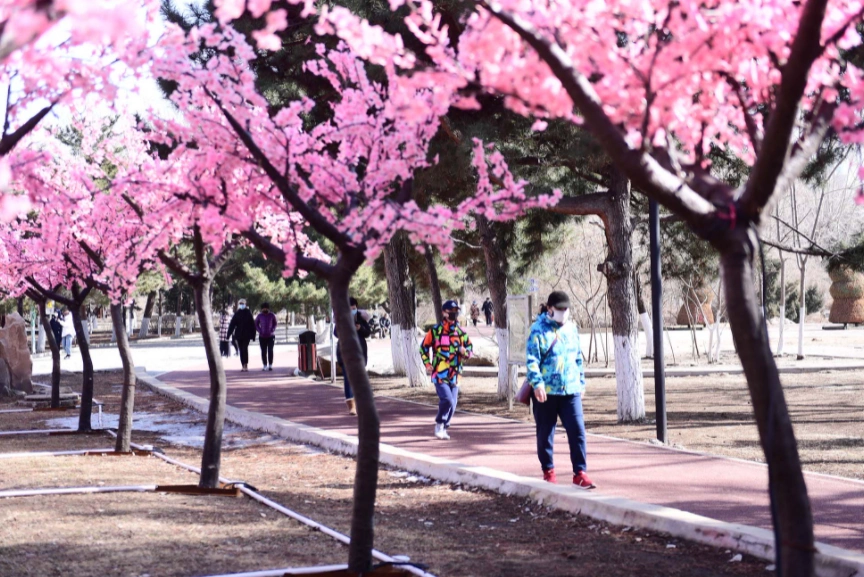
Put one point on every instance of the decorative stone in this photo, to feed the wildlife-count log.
(15, 356)
(847, 290)
(691, 313)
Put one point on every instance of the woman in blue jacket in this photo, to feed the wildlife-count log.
(557, 377)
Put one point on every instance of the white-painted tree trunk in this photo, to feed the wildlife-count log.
(507, 373)
(628, 378)
(310, 322)
(648, 329)
(782, 306)
(40, 339)
(406, 352)
(145, 328)
(396, 350)
(292, 318)
(802, 312)
(178, 326)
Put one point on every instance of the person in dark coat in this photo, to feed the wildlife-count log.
(487, 311)
(57, 329)
(364, 332)
(242, 329)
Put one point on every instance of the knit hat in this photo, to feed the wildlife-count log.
(558, 299)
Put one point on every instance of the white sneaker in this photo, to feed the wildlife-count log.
(441, 432)
(265, 368)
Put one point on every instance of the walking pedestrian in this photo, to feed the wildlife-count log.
(224, 345)
(265, 323)
(242, 328)
(443, 351)
(56, 329)
(487, 310)
(475, 313)
(364, 332)
(68, 331)
(557, 377)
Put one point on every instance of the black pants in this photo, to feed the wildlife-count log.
(267, 349)
(488, 319)
(224, 349)
(243, 346)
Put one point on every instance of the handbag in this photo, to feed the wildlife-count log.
(526, 390)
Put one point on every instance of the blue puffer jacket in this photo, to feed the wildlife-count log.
(562, 372)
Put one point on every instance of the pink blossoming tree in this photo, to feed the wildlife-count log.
(658, 84)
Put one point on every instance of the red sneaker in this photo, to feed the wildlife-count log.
(549, 476)
(580, 479)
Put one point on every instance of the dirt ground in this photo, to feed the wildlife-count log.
(455, 530)
(707, 414)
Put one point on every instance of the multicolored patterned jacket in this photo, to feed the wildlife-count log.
(444, 340)
(562, 371)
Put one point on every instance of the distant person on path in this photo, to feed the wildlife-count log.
(224, 344)
(443, 351)
(56, 329)
(265, 323)
(364, 332)
(68, 332)
(557, 376)
(487, 310)
(475, 313)
(242, 328)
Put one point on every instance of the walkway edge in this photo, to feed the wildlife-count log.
(830, 561)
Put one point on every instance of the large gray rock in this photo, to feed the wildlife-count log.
(15, 356)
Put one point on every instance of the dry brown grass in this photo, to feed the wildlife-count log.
(456, 531)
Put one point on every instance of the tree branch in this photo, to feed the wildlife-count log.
(594, 203)
(645, 172)
(772, 157)
(53, 295)
(314, 218)
(8, 142)
(177, 266)
(815, 251)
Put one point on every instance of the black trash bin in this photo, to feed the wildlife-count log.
(307, 355)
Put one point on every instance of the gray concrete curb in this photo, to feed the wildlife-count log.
(830, 561)
(681, 371)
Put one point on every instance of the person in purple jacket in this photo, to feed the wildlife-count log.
(265, 323)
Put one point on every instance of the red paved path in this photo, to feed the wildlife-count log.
(714, 487)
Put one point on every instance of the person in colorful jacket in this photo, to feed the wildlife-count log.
(265, 324)
(557, 376)
(444, 349)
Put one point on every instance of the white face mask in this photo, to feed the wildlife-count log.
(560, 317)
(242, 307)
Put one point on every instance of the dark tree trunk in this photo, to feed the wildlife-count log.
(496, 279)
(618, 269)
(127, 399)
(790, 503)
(404, 344)
(434, 285)
(145, 316)
(148, 306)
(19, 306)
(87, 377)
(211, 457)
(55, 354)
(368, 422)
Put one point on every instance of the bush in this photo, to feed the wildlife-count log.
(812, 299)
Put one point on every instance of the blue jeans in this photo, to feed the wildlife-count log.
(349, 394)
(67, 344)
(569, 408)
(448, 396)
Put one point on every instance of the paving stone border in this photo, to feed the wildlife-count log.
(831, 561)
